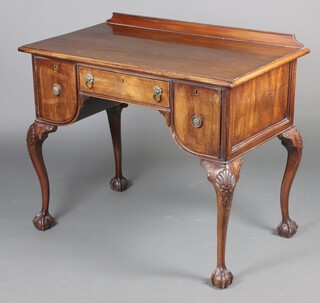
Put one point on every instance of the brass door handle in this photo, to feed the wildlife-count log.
(56, 89)
(196, 121)
(157, 93)
(89, 80)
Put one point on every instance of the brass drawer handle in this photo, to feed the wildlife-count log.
(56, 89)
(157, 93)
(196, 121)
(89, 80)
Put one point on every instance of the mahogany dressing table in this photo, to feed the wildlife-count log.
(222, 91)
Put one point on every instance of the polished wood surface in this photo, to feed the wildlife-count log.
(258, 107)
(222, 91)
(292, 141)
(224, 178)
(207, 30)
(36, 135)
(224, 59)
(51, 108)
(124, 87)
(118, 182)
(205, 103)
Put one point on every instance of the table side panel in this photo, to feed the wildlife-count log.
(260, 106)
(191, 100)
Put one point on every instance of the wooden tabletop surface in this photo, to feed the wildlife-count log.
(209, 54)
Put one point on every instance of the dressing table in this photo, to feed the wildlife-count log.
(222, 91)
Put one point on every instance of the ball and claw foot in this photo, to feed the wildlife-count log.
(43, 221)
(221, 277)
(287, 228)
(119, 184)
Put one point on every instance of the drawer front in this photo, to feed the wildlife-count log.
(123, 87)
(196, 113)
(56, 94)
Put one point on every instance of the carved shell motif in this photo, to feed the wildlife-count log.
(225, 182)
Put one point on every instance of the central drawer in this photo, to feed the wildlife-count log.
(123, 87)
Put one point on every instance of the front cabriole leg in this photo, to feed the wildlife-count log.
(292, 141)
(224, 178)
(37, 134)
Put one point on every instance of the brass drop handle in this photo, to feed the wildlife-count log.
(196, 121)
(56, 89)
(157, 93)
(89, 80)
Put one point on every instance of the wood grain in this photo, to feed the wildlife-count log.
(225, 91)
(50, 108)
(37, 134)
(124, 87)
(292, 141)
(204, 140)
(224, 178)
(180, 54)
(258, 105)
(199, 29)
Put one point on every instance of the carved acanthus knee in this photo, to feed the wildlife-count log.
(38, 133)
(291, 139)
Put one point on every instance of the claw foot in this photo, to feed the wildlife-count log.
(221, 277)
(43, 221)
(119, 184)
(287, 228)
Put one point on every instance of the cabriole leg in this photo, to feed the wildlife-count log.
(37, 134)
(292, 141)
(118, 182)
(224, 178)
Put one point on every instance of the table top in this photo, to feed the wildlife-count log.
(209, 54)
